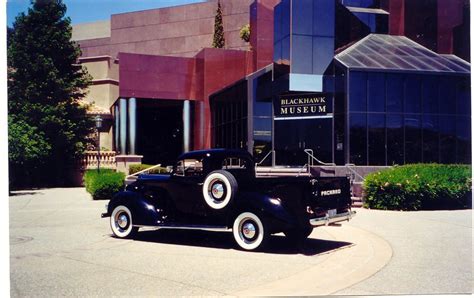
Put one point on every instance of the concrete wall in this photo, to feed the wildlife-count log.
(99, 29)
(103, 91)
(172, 31)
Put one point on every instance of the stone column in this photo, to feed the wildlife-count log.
(123, 126)
(116, 127)
(186, 125)
(132, 127)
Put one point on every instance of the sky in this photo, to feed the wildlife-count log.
(84, 11)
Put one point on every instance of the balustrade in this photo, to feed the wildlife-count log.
(107, 160)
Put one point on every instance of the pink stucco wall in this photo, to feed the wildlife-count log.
(173, 31)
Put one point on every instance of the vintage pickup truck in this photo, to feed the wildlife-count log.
(217, 190)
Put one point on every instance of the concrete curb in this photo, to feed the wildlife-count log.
(343, 268)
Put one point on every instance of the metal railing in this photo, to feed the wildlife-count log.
(354, 172)
(312, 158)
(264, 158)
(311, 162)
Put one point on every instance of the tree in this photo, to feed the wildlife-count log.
(48, 128)
(245, 33)
(218, 39)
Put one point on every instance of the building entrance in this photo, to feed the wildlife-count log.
(292, 137)
(159, 130)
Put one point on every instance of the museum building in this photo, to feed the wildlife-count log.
(364, 82)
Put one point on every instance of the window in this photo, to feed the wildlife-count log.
(376, 92)
(463, 97)
(235, 163)
(188, 167)
(430, 138)
(394, 93)
(412, 139)
(323, 18)
(430, 95)
(463, 132)
(447, 139)
(358, 138)
(447, 95)
(395, 135)
(323, 49)
(300, 55)
(358, 92)
(413, 94)
(376, 127)
(302, 17)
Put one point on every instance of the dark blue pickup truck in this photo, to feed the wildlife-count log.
(217, 190)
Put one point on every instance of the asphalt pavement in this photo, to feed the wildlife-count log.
(59, 246)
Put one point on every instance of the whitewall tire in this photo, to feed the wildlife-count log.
(219, 189)
(249, 231)
(121, 222)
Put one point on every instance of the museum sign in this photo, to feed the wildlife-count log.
(301, 105)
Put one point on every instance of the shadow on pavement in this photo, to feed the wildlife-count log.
(16, 193)
(224, 240)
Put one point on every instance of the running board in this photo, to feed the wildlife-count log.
(184, 227)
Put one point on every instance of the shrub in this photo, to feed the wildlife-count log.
(419, 187)
(245, 33)
(140, 167)
(103, 185)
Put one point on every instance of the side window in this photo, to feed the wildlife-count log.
(234, 163)
(189, 168)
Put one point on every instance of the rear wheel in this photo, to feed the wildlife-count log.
(121, 222)
(249, 231)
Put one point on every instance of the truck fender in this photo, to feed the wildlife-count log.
(273, 209)
(144, 210)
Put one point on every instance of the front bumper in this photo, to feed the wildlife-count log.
(327, 220)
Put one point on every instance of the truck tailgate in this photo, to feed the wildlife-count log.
(331, 192)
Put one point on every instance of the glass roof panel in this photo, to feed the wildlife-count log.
(351, 61)
(379, 51)
(402, 63)
(457, 63)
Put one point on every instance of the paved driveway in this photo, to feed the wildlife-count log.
(59, 245)
(432, 252)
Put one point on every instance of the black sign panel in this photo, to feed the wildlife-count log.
(302, 105)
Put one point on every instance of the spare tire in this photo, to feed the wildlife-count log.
(219, 189)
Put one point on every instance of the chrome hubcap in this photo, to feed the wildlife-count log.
(122, 221)
(217, 190)
(249, 231)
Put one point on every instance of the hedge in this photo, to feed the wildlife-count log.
(140, 167)
(419, 187)
(103, 185)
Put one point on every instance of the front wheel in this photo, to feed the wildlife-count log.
(249, 231)
(121, 222)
